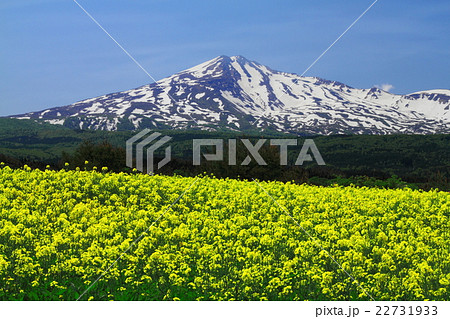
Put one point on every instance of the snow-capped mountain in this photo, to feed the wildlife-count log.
(238, 94)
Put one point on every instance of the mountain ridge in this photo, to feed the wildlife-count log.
(238, 94)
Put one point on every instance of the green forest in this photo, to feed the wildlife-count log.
(392, 161)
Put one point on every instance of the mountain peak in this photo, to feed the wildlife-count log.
(232, 58)
(223, 66)
(232, 92)
(225, 59)
(239, 58)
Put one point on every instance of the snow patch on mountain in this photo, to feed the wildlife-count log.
(237, 94)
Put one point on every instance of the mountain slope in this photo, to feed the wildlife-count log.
(238, 94)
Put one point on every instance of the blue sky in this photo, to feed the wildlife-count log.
(53, 55)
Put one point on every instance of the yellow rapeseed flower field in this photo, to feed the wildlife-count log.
(223, 240)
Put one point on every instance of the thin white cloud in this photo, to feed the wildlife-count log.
(385, 87)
